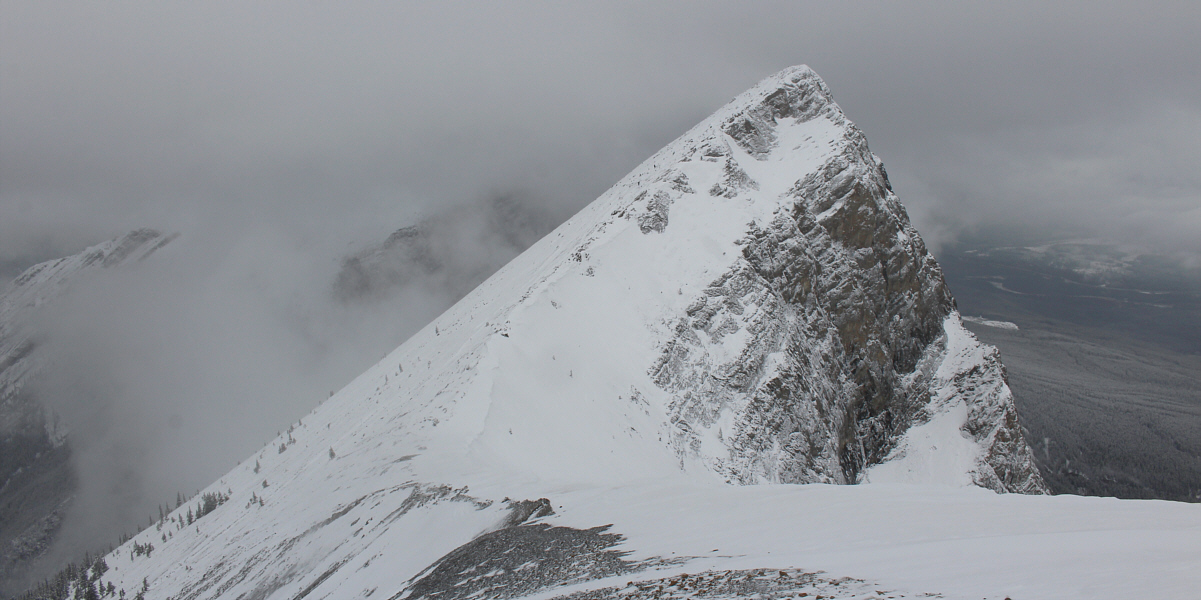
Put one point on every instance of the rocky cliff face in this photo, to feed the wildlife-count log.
(838, 312)
(750, 305)
(36, 479)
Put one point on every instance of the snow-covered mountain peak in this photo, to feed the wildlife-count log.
(676, 323)
(602, 281)
(750, 305)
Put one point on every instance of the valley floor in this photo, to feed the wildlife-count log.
(1106, 416)
(1106, 376)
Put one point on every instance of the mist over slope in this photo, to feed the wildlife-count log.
(140, 368)
(39, 477)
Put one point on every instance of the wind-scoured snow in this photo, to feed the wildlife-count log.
(749, 305)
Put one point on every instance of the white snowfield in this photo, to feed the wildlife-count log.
(538, 385)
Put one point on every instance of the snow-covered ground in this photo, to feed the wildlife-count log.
(902, 540)
(962, 542)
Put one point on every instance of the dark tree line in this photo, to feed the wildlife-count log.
(83, 581)
(80, 581)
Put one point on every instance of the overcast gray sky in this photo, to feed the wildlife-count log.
(279, 137)
(1045, 116)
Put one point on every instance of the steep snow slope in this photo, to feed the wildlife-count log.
(750, 305)
(35, 478)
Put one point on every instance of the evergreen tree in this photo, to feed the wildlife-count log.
(99, 567)
(89, 590)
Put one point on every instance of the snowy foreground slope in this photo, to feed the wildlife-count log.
(749, 306)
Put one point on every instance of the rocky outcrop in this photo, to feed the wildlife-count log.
(518, 561)
(816, 352)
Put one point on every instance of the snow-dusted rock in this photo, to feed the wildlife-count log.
(811, 356)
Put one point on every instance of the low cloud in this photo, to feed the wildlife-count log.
(169, 371)
(1129, 181)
